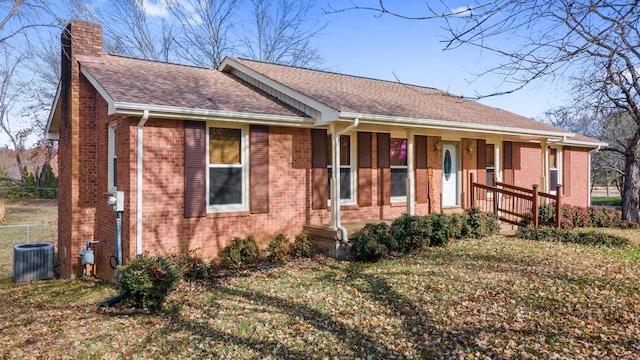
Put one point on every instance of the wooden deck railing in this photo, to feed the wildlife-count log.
(513, 204)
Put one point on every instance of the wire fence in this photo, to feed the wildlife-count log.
(12, 235)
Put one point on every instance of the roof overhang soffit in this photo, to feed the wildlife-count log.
(447, 125)
(325, 114)
(52, 132)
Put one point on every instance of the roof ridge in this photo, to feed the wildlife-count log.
(354, 76)
(130, 57)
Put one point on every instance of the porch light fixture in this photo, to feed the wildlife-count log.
(437, 146)
(470, 148)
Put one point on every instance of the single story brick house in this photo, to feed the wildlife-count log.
(205, 155)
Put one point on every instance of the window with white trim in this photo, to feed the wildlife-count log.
(346, 168)
(554, 169)
(227, 163)
(398, 162)
(112, 154)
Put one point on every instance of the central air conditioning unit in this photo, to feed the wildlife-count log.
(32, 262)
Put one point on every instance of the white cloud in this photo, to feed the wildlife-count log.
(461, 11)
(155, 7)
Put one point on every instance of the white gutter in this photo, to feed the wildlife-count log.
(452, 125)
(143, 120)
(411, 189)
(335, 182)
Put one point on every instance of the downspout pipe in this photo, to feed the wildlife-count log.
(335, 183)
(141, 123)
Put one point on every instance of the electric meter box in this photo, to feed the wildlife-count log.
(119, 205)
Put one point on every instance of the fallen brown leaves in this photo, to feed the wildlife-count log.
(492, 298)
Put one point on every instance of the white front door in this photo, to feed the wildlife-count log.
(449, 175)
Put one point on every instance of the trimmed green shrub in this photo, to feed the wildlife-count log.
(628, 225)
(382, 233)
(147, 281)
(579, 216)
(604, 217)
(411, 232)
(365, 245)
(545, 233)
(457, 226)
(480, 224)
(439, 225)
(191, 267)
(547, 214)
(303, 246)
(240, 254)
(278, 249)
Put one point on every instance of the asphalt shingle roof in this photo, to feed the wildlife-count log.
(154, 83)
(360, 95)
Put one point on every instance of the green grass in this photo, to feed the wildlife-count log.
(493, 298)
(606, 201)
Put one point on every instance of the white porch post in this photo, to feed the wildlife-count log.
(334, 184)
(410, 176)
(497, 164)
(544, 164)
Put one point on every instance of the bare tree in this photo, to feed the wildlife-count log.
(9, 99)
(594, 43)
(19, 16)
(282, 33)
(207, 25)
(131, 28)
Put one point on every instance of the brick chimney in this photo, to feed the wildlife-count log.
(77, 165)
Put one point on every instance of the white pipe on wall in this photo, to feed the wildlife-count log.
(143, 120)
(335, 182)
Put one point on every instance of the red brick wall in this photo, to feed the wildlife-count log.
(166, 231)
(77, 152)
(526, 164)
(579, 177)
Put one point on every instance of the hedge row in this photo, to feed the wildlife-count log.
(576, 216)
(408, 233)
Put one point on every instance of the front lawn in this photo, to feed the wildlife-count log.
(492, 298)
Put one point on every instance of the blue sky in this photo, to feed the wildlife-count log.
(394, 49)
(389, 48)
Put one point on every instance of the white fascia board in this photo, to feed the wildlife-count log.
(327, 113)
(105, 95)
(182, 113)
(52, 130)
(589, 144)
(452, 125)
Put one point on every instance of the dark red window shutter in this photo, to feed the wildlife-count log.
(259, 169)
(508, 154)
(195, 167)
(482, 154)
(421, 152)
(319, 152)
(421, 177)
(384, 141)
(364, 169)
(319, 149)
(364, 150)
